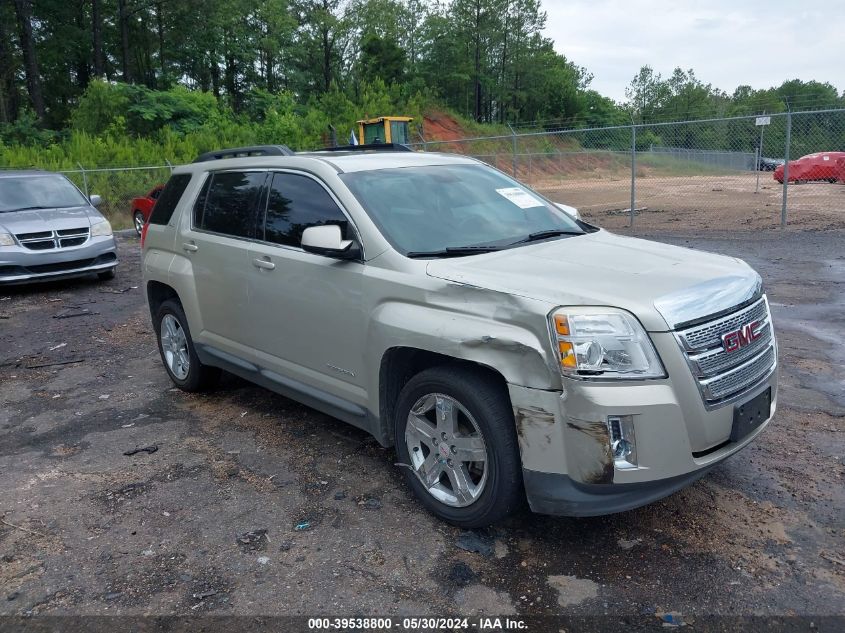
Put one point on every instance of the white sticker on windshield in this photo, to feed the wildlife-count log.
(519, 197)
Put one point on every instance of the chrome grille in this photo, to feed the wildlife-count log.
(739, 378)
(724, 376)
(49, 240)
(709, 334)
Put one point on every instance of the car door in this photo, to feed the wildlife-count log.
(307, 310)
(217, 243)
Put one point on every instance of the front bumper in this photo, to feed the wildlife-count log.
(19, 265)
(559, 495)
(568, 468)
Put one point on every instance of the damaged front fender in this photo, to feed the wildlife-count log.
(498, 331)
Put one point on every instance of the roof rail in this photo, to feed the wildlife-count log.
(372, 147)
(240, 152)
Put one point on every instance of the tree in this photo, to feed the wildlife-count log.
(9, 98)
(23, 13)
(97, 39)
(485, 59)
(382, 59)
(323, 31)
(123, 22)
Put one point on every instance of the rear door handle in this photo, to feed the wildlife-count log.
(190, 247)
(264, 264)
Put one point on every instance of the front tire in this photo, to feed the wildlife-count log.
(177, 350)
(106, 274)
(455, 431)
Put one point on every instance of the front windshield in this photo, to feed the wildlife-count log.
(38, 192)
(434, 208)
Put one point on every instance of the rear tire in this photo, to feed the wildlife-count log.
(177, 350)
(445, 416)
(138, 221)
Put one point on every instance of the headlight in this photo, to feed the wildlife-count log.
(6, 240)
(101, 229)
(603, 343)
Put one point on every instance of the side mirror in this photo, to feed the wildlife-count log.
(95, 200)
(570, 211)
(328, 240)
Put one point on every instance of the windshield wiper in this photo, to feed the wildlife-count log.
(33, 208)
(542, 235)
(454, 251)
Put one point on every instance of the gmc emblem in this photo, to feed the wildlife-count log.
(744, 336)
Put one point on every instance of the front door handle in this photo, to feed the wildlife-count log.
(190, 247)
(264, 264)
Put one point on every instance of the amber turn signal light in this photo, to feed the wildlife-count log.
(567, 355)
(562, 324)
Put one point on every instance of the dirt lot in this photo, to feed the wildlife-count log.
(693, 203)
(255, 505)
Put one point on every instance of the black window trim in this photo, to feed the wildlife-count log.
(206, 181)
(265, 201)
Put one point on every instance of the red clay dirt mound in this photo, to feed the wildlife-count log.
(539, 159)
(439, 126)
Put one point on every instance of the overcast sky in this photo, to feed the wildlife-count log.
(726, 42)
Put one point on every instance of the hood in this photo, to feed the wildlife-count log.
(662, 285)
(38, 220)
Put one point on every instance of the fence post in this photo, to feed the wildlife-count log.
(84, 179)
(786, 167)
(759, 156)
(169, 164)
(633, 172)
(513, 150)
(560, 153)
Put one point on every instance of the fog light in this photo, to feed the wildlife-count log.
(621, 449)
(623, 442)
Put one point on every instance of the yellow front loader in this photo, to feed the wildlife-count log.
(384, 129)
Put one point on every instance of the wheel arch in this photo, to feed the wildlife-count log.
(399, 364)
(158, 293)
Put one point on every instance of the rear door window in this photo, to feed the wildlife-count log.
(228, 203)
(169, 198)
(295, 203)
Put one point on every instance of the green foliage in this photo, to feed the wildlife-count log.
(99, 108)
(121, 125)
(25, 130)
(382, 59)
(139, 111)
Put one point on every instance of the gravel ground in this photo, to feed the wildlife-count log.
(702, 203)
(255, 505)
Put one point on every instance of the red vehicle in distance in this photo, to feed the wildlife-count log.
(142, 207)
(821, 166)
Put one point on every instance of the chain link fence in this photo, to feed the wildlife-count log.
(714, 174)
(722, 174)
(118, 187)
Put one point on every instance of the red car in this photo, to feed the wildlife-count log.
(822, 166)
(142, 207)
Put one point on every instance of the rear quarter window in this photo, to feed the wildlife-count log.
(168, 199)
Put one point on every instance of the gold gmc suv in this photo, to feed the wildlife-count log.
(508, 350)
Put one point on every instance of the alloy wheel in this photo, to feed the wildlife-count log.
(174, 345)
(447, 450)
